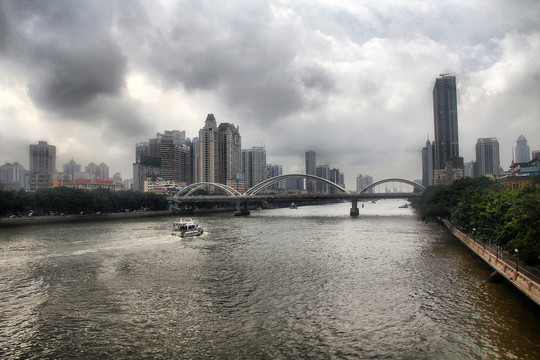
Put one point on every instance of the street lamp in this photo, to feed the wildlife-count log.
(517, 262)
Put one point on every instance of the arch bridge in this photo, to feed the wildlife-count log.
(215, 193)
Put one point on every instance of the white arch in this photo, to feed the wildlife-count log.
(194, 187)
(262, 185)
(408, 182)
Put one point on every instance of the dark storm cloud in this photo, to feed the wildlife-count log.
(72, 59)
(246, 54)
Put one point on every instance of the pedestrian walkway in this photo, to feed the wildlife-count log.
(527, 280)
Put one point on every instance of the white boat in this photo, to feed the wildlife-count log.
(293, 206)
(186, 227)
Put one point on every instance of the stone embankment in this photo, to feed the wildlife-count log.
(43, 220)
(509, 270)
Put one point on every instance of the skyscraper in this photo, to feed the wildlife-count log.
(220, 151)
(487, 157)
(254, 165)
(523, 152)
(311, 160)
(427, 164)
(446, 121)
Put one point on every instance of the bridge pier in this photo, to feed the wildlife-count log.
(354, 207)
(241, 209)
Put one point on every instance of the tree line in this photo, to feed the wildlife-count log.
(489, 211)
(69, 201)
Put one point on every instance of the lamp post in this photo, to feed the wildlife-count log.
(517, 261)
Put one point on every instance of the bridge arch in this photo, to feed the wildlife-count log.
(408, 182)
(262, 185)
(190, 189)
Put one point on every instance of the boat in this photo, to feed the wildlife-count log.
(186, 227)
(405, 206)
(293, 206)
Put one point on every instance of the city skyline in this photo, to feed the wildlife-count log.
(351, 81)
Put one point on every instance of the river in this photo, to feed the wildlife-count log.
(286, 283)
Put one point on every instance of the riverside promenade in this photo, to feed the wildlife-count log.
(525, 281)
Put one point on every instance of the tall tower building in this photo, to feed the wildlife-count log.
(427, 164)
(42, 158)
(311, 160)
(254, 165)
(220, 151)
(446, 121)
(523, 152)
(487, 157)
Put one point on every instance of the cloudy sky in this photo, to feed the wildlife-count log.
(351, 80)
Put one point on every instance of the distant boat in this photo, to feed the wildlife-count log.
(293, 206)
(405, 206)
(186, 227)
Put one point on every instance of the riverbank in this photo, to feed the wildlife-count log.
(44, 220)
(509, 270)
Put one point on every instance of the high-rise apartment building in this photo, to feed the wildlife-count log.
(523, 151)
(273, 171)
(311, 161)
(12, 176)
(254, 165)
(220, 151)
(363, 181)
(97, 172)
(487, 157)
(322, 171)
(42, 165)
(337, 177)
(42, 158)
(446, 121)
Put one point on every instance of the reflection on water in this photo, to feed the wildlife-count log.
(287, 283)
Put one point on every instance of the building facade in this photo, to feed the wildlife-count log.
(446, 121)
(427, 164)
(254, 165)
(362, 181)
(322, 171)
(311, 161)
(12, 176)
(487, 157)
(220, 151)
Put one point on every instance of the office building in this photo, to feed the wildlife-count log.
(487, 157)
(446, 121)
(311, 161)
(254, 165)
(523, 152)
(536, 154)
(220, 151)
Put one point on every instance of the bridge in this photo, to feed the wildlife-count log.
(206, 192)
